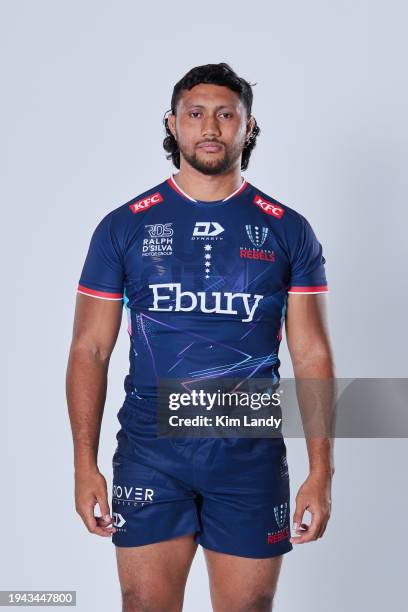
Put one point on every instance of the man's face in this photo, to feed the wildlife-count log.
(210, 128)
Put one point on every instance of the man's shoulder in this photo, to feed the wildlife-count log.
(120, 223)
(276, 208)
(139, 202)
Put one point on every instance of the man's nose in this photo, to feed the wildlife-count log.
(210, 126)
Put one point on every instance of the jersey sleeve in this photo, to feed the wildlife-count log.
(103, 271)
(308, 273)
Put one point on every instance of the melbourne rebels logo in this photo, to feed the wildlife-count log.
(281, 513)
(159, 240)
(256, 236)
(277, 536)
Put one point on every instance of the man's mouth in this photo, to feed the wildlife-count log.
(210, 147)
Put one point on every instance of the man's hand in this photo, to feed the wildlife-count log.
(315, 496)
(91, 489)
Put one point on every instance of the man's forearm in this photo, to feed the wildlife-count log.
(86, 384)
(320, 451)
(316, 391)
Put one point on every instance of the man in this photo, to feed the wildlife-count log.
(208, 267)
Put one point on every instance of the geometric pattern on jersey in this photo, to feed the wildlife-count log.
(204, 284)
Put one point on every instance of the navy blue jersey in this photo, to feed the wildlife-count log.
(204, 284)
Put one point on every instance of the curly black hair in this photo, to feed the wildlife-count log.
(214, 74)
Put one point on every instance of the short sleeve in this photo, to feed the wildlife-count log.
(102, 273)
(308, 273)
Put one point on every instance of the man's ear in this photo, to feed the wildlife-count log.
(250, 126)
(171, 122)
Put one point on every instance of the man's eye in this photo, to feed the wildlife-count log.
(194, 113)
(229, 114)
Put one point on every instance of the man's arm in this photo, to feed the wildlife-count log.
(309, 347)
(96, 327)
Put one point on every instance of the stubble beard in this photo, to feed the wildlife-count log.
(212, 166)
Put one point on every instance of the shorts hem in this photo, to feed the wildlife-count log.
(158, 540)
(247, 555)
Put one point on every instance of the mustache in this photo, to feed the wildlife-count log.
(204, 142)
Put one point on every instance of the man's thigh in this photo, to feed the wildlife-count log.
(153, 577)
(242, 584)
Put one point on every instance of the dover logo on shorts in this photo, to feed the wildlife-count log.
(123, 494)
(268, 207)
(146, 203)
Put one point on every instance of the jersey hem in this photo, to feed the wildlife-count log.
(309, 289)
(106, 295)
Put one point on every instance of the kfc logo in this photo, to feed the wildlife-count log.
(270, 209)
(140, 205)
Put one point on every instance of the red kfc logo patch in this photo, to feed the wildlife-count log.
(140, 205)
(268, 207)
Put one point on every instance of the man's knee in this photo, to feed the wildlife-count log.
(134, 600)
(260, 602)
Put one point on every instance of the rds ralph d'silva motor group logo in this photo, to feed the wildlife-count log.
(158, 239)
(257, 235)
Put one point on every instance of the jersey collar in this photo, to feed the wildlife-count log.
(185, 195)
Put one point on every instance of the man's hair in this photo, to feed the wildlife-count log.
(214, 74)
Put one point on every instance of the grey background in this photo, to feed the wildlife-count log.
(84, 89)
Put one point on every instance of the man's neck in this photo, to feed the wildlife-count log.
(208, 187)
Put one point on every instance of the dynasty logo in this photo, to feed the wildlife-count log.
(118, 520)
(207, 230)
(159, 240)
(169, 296)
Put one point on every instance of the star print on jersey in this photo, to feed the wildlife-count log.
(204, 284)
(207, 258)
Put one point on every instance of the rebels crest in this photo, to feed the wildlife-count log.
(256, 240)
(280, 513)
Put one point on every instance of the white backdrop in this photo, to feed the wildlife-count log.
(84, 89)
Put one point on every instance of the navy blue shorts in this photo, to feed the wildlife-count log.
(231, 493)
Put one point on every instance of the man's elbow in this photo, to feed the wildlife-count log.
(90, 349)
(315, 363)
